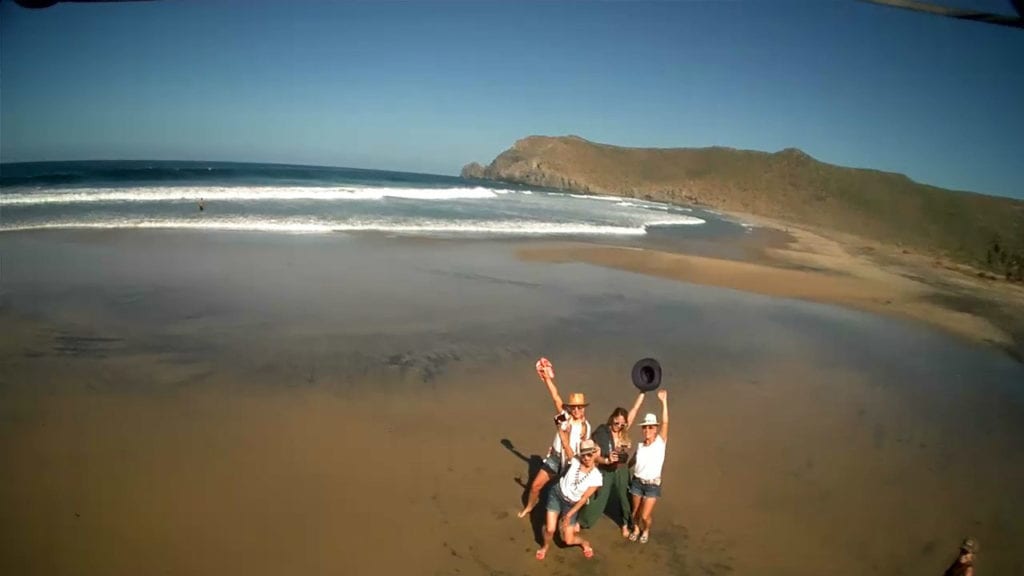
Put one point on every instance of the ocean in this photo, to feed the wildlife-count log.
(310, 199)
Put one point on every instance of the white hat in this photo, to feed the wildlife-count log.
(649, 420)
(587, 446)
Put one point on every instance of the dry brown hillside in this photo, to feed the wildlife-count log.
(788, 185)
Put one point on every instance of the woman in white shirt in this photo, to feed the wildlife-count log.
(566, 498)
(572, 416)
(645, 489)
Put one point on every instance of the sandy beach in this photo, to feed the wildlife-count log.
(250, 403)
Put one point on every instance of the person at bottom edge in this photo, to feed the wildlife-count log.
(964, 563)
(612, 440)
(566, 498)
(645, 488)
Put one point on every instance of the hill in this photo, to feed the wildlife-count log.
(787, 185)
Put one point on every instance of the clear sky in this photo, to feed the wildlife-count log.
(428, 87)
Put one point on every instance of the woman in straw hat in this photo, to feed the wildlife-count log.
(581, 480)
(572, 417)
(649, 459)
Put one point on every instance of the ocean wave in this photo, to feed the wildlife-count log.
(677, 221)
(603, 197)
(239, 193)
(472, 227)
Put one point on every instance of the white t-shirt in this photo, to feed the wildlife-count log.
(650, 459)
(577, 434)
(575, 482)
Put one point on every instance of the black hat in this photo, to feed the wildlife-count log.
(647, 374)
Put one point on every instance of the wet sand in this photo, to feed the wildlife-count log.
(225, 403)
(813, 267)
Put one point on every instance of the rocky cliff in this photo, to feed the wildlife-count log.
(788, 185)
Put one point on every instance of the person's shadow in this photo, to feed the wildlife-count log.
(533, 462)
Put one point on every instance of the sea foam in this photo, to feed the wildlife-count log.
(238, 193)
(311, 226)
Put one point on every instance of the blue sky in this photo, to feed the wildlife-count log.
(428, 87)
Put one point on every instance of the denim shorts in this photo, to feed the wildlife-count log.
(553, 464)
(558, 503)
(637, 488)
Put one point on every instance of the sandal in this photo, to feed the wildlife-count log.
(541, 554)
(633, 535)
(644, 538)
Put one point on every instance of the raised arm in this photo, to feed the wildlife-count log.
(553, 390)
(663, 396)
(547, 375)
(633, 411)
(563, 435)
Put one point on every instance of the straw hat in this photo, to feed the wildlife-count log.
(577, 399)
(587, 446)
(649, 420)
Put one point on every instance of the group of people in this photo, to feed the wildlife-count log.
(592, 465)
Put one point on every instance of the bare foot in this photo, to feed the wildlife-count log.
(541, 553)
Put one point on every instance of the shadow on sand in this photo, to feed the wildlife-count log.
(533, 462)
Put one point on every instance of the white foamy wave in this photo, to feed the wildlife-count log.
(237, 193)
(677, 221)
(649, 205)
(603, 198)
(469, 227)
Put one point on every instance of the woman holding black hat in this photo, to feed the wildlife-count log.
(650, 458)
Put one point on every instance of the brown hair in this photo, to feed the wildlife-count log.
(618, 412)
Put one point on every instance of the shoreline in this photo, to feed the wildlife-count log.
(829, 269)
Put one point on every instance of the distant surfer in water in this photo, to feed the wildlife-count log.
(201, 205)
(572, 416)
(964, 563)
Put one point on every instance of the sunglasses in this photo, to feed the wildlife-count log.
(576, 407)
(587, 455)
(648, 426)
(618, 423)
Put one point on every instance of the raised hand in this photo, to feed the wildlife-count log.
(663, 395)
(545, 370)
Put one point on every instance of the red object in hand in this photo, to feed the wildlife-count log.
(544, 368)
